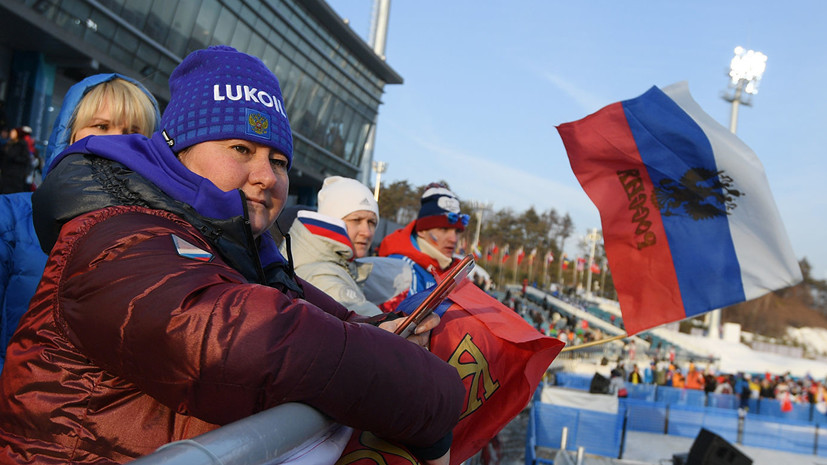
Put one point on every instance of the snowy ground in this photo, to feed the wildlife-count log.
(735, 356)
(815, 338)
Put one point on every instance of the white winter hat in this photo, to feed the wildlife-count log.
(340, 197)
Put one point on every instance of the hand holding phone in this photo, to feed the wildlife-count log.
(437, 295)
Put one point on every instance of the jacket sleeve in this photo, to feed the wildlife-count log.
(198, 338)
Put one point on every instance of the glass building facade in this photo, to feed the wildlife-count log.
(331, 79)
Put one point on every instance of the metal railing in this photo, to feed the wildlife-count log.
(258, 439)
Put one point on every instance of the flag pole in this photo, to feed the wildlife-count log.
(594, 343)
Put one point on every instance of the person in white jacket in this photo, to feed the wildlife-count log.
(327, 243)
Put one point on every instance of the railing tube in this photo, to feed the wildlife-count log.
(259, 438)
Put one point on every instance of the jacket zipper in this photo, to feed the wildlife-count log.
(251, 241)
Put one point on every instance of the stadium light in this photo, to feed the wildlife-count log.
(380, 167)
(745, 71)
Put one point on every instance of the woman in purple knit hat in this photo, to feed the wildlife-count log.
(166, 310)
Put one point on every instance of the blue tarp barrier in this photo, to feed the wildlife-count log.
(641, 415)
(573, 380)
(772, 408)
(798, 437)
(601, 432)
(729, 401)
(680, 396)
(641, 391)
(687, 421)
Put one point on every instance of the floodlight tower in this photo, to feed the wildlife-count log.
(592, 237)
(745, 71)
(380, 167)
(479, 209)
(377, 40)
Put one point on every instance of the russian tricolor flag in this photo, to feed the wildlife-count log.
(689, 223)
(325, 226)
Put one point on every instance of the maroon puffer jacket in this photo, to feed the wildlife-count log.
(128, 345)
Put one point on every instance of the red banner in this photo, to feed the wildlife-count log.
(500, 358)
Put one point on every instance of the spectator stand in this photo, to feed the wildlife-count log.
(603, 310)
(535, 298)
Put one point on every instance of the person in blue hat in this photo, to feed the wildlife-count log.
(428, 243)
(103, 104)
(166, 310)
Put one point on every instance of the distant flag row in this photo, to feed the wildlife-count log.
(580, 264)
(493, 252)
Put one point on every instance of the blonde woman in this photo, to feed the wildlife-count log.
(103, 104)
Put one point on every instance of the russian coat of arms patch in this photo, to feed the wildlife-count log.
(258, 124)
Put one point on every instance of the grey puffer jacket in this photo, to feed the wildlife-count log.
(326, 264)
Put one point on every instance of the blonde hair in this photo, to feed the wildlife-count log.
(128, 105)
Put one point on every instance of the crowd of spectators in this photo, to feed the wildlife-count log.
(570, 330)
(783, 387)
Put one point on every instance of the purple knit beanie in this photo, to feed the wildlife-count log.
(220, 93)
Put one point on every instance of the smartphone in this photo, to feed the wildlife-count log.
(455, 275)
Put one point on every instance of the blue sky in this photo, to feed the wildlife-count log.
(486, 82)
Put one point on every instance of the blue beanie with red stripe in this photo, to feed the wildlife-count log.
(437, 205)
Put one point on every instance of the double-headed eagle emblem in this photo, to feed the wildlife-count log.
(701, 194)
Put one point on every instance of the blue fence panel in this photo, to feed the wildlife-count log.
(549, 421)
(820, 419)
(685, 420)
(821, 441)
(772, 408)
(695, 397)
(645, 416)
(668, 395)
(723, 422)
(601, 432)
(573, 380)
(680, 396)
(729, 401)
(752, 404)
(777, 434)
(641, 391)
